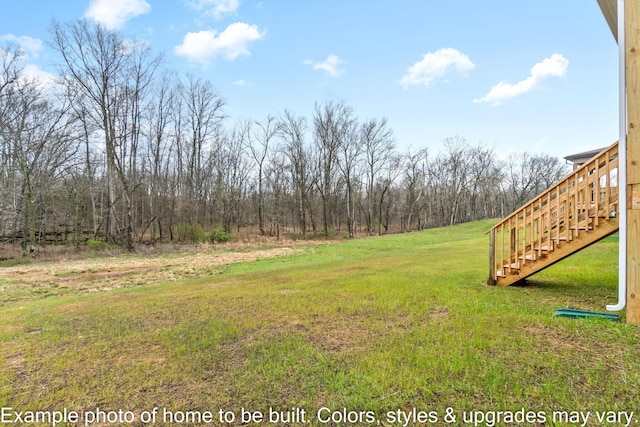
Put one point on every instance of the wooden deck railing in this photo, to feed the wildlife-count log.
(580, 202)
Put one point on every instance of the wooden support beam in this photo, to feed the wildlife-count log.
(632, 192)
(633, 263)
(492, 258)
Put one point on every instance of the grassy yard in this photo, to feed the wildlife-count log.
(377, 331)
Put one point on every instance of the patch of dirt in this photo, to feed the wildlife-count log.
(556, 339)
(346, 339)
(439, 314)
(87, 275)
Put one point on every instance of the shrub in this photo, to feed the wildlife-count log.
(219, 235)
(97, 244)
(13, 262)
(193, 233)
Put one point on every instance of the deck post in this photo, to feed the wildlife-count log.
(632, 190)
(492, 258)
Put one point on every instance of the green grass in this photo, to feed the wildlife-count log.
(377, 324)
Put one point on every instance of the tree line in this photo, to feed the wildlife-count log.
(120, 149)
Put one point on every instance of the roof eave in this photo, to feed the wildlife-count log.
(609, 9)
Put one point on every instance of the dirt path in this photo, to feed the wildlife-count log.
(45, 279)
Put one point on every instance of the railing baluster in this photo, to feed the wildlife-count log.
(492, 258)
(531, 230)
(607, 191)
(557, 220)
(522, 237)
(596, 196)
(567, 213)
(502, 253)
(516, 235)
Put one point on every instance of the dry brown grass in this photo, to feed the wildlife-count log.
(62, 271)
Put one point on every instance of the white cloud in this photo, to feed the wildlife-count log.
(216, 8)
(436, 65)
(28, 45)
(204, 46)
(114, 13)
(541, 143)
(329, 65)
(240, 82)
(30, 49)
(554, 66)
(130, 46)
(44, 78)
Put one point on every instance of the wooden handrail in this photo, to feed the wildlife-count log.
(612, 148)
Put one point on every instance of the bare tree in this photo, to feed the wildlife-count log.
(528, 175)
(38, 136)
(260, 141)
(233, 170)
(386, 184)
(414, 184)
(86, 181)
(159, 151)
(456, 170)
(379, 149)
(332, 124)
(349, 156)
(203, 117)
(482, 181)
(10, 69)
(293, 131)
(548, 170)
(112, 75)
(279, 189)
(134, 91)
(92, 65)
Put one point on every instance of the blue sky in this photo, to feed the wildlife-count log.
(514, 76)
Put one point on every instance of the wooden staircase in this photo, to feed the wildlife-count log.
(576, 212)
